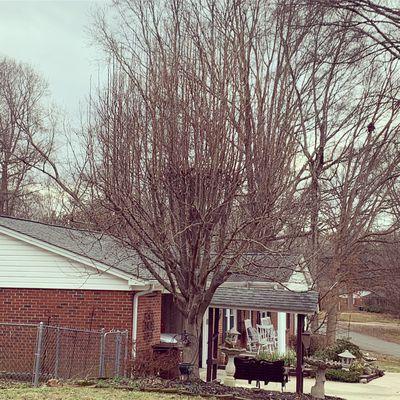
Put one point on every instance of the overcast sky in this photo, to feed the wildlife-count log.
(52, 36)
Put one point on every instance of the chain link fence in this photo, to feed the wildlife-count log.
(39, 352)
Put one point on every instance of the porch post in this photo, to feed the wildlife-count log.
(299, 354)
(281, 333)
(210, 344)
(204, 340)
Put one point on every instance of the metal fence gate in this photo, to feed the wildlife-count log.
(38, 352)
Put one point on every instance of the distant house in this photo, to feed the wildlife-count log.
(354, 301)
(76, 278)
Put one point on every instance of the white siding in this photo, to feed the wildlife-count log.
(23, 265)
(298, 282)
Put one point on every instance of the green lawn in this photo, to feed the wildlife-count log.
(83, 393)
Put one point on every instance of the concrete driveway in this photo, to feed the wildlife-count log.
(387, 387)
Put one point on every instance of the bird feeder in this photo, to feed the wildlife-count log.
(346, 358)
(231, 337)
(306, 339)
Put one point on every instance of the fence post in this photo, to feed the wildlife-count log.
(38, 354)
(126, 354)
(117, 353)
(102, 353)
(57, 360)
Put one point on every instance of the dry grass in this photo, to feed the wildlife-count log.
(387, 363)
(83, 393)
(362, 317)
(381, 326)
(367, 317)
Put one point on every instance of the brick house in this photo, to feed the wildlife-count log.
(81, 279)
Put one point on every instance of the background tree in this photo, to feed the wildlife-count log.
(356, 192)
(23, 130)
(376, 20)
(347, 89)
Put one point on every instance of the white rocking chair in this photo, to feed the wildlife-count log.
(253, 338)
(267, 336)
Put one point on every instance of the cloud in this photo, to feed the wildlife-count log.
(52, 36)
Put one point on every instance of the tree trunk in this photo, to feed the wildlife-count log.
(332, 316)
(190, 354)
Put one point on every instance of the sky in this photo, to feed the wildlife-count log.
(52, 36)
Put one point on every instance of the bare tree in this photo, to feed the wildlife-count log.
(344, 92)
(375, 20)
(23, 119)
(356, 191)
(193, 146)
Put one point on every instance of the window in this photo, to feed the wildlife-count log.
(231, 319)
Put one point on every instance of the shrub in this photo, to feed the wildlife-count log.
(332, 352)
(289, 358)
(359, 367)
(341, 375)
(150, 364)
(267, 356)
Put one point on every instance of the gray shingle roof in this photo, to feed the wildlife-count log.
(266, 299)
(265, 268)
(93, 245)
(107, 250)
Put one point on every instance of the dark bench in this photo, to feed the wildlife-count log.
(251, 369)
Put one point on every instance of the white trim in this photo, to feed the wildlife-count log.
(204, 347)
(73, 256)
(281, 333)
(135, 306)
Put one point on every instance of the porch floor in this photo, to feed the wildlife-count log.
(387, 387)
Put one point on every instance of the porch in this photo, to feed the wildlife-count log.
(231, 306)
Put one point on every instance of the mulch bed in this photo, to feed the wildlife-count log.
(207, 389)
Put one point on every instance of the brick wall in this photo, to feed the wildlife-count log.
(84, 309)
(149, 321)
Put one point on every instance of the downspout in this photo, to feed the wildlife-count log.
(136, 297)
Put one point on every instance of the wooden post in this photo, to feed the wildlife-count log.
(210, 343)
(299, 354)
(215, 344)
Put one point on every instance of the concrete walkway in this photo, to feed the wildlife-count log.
(373, 344)
(385, 388)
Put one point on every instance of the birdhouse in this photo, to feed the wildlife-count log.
(346, 358)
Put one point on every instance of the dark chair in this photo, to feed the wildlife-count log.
(251, 369)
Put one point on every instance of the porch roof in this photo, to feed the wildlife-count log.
(266, 299)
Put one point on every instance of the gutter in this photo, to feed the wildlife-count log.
(135, 306)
